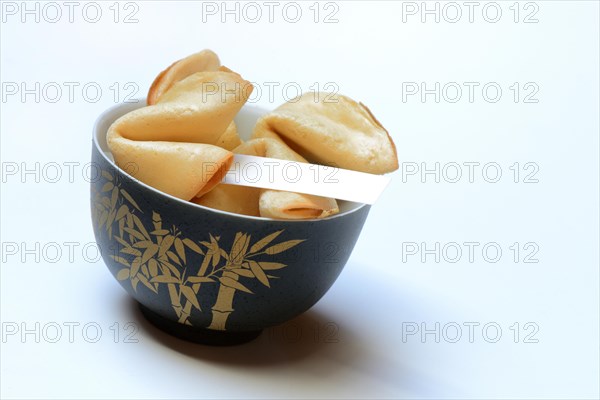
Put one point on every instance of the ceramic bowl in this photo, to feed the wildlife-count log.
(206, 275)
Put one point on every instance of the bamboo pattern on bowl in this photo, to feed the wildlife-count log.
(156, 257)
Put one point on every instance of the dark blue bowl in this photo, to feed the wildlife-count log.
(206, 275)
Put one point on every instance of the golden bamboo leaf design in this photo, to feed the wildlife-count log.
(166, 244)
(239, 248)
(281, 247)
(180, 249)
(123, 274)
(215, 251)
(149, 253)
(108, 186)
(258, 272)
(199, 279)
(135, 266)
(164, 279)
(157, 256)
(270, 266)
(171, 268)
(258, 246)
(130, 199)
(192, 246)
(140, 226)
(134, 233)
(123, 210)
(121, 241)
(103, 218)
(120, 260)
(173, 257)
(230, 277)
(229, 282)
(143, 244)
(131, 251)
(190, 296)
(146, 283)
(121, 226)
(246, 273)
(153, 267)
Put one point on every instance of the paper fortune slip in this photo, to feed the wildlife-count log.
(292, 176)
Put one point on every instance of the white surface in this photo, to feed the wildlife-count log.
(368, 54)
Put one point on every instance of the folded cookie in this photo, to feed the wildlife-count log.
(331, 130)
(230, 139)
(197, 109)
(178, 169)
(205, 60)
(173, 145)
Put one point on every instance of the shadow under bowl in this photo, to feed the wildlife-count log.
(206, 275)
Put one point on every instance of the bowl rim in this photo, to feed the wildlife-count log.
(107, 116)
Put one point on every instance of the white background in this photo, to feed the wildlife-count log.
(354, 342)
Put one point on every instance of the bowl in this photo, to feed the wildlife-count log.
(207, 275)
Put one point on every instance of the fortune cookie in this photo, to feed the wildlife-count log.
(205, 60)
(173, 145)
(331, 130)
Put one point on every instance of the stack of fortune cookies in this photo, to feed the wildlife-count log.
(183, 128)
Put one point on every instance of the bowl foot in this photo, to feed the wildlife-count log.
(198, 335)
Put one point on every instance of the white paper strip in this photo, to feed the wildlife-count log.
(291, 176)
